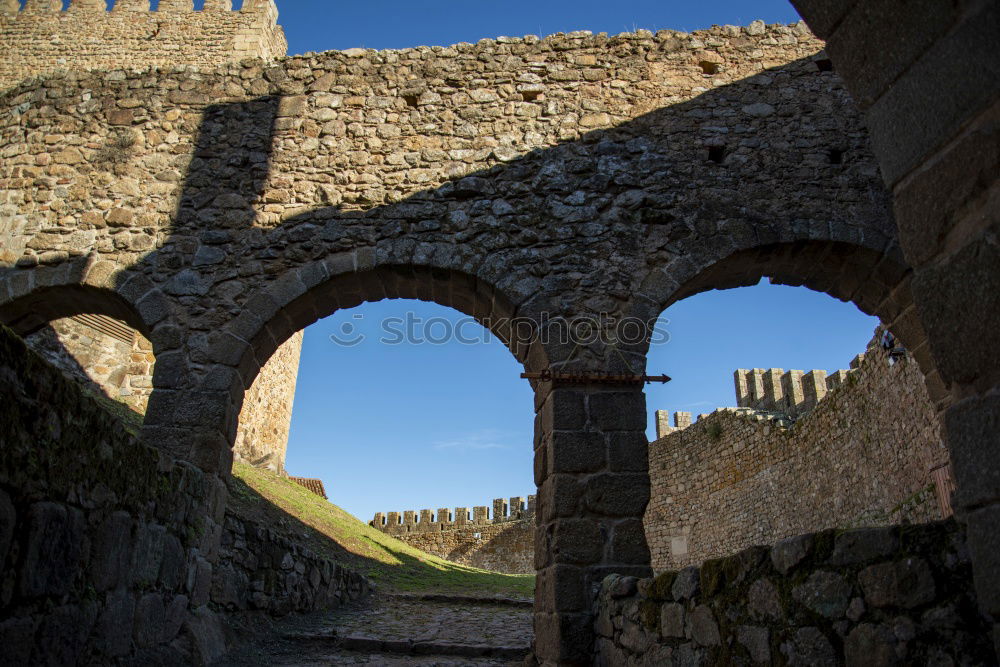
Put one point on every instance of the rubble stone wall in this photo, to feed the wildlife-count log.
(112, 551)
(42, 38)
(124, 372)
(741, 477)
(876, 596)
(121, 369)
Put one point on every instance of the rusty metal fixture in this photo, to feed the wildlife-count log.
(594, 378)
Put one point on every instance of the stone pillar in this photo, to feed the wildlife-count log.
(682, 419)
(43, 6)
(218, 5)
(591, 468)
(662, 424)
(933, 110)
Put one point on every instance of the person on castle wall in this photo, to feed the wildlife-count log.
(889, 344)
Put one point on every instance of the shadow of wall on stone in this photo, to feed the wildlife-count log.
(110, 550)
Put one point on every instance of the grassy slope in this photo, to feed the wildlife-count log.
(327, 529)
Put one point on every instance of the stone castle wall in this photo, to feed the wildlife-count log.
(502, 541)
(103, 354)
(42, 38)
(109, 357)
(266, 416)
(113, 553)
(740, 476)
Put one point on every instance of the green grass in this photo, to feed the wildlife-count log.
(325, 528)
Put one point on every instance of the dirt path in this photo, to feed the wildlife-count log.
(397, 630)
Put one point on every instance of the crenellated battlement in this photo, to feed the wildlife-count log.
(42, 37)
(13, 7)
(792, 393)
(516, 508)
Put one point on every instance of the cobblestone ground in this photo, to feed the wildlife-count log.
(387, 630)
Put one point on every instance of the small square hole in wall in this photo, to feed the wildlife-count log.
(717, 154)
(708, 67)
(477, 536)
(836, 156)
(824, 65)
(530, 95)
(411, 100)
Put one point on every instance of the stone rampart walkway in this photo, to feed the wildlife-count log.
(394, 630)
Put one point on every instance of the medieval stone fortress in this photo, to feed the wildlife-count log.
(179, 200)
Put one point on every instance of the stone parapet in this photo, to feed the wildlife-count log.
(516, 508)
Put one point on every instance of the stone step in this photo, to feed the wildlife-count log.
(464, 599)
(414, 647)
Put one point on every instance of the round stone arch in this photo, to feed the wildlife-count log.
(293, 301)
(877, 282)
(31, 298)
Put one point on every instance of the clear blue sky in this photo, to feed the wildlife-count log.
(395, 427)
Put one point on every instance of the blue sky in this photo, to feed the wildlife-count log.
(395, 427)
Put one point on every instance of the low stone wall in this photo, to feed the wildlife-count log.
(740, 477)
(879, 596)
(501, 547)
(110, 550)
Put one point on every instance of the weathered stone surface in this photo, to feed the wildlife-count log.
(686, 584)
(826, 593)
(763, 600)
(115, 623)
(904, 583)
(111, 551)
(54, 549)
(810, 648)
(8, 518)
(789, 552)
(858, 546)
(757, 642)
(672, 620)
(870, 644)
(704, 628)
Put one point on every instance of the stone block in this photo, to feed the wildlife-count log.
(628, 543)
(208, 637)
(790, 551)
(577, 541)
(618, 411)
(972, 429)
(907, 122)
(865, 544)
(8, 519)
(763, 600)
(825, 593)
(905, 583)
(113, 632)
(617, 494)
(576, 451)
(984, 545)
(563, 638)
(704, 628)
(810, 648)
(954, 187)
(561, 588)
(870, 644)
(17, 638)
(686, 584)
(869, 69)
(54, 549)
(823, 16)
(111, 551)
(966, 349)
(63, 633)
(757, 641)
(148, 554)
(628, 452)
(672, 621)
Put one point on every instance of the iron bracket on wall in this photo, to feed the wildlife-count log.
(594, 378)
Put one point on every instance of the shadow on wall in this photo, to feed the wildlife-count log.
(666, 186)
